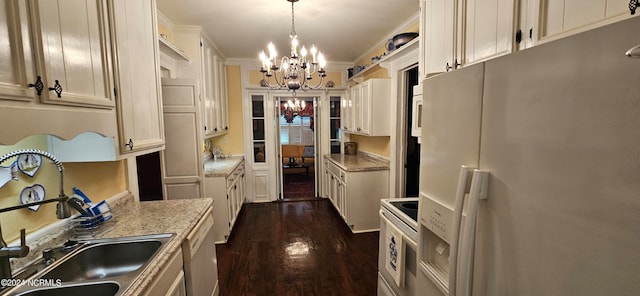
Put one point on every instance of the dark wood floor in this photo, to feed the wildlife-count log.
(296, 248)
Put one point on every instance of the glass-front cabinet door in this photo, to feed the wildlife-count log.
(335, 131)
(258, 128)
(257, 138)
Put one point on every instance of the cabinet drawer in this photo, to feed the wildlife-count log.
(237, 173)
(334, 169)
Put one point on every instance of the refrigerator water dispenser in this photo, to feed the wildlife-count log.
(435, 228)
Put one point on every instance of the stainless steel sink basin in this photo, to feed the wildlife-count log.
(97, 267)
(95, 289)
(104, 260)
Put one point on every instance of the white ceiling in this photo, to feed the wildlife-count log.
(343, 30)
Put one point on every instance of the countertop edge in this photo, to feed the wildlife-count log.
(365, 163)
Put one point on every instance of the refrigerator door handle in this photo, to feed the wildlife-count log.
(465, 173)
(478, 191)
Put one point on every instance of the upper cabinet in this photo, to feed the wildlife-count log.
(58, 51)
(464, 31)
(55, 67)
(488, 29)
(135, 49)
(16, 59)
(439, 27)
(207, 67)
(72, 52)
(68, 61)
(214, 90)
(366, 110)
(561, 18)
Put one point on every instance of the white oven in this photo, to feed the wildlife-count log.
(397, 263)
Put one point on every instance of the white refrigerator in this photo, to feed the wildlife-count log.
(556, 129)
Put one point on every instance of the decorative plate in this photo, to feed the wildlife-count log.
(8, 173)
(29, 164)
(390, 46)
(32, 194)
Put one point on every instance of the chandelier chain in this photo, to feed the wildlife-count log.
(293, 24)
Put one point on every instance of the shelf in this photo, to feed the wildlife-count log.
(359, 77)
(172, 51)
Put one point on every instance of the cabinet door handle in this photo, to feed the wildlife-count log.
(456, 65)
(448, 67)
(38, 85)
(57, 88)
(226, 128)
(215, 129)
(130, 144)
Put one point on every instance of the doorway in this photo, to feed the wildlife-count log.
(297, 134)
(412, 147)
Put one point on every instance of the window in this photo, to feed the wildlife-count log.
(298, 132)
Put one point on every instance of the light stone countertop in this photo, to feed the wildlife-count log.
(358, 163)
(133, 218)
(221, 167)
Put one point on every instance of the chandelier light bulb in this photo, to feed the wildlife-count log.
(321, 60)
(272, 51)
(294, 46)
(263, 59)
(314, 51)
(303, 52)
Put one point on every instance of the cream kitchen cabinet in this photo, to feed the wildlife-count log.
(228, 192)
(170, 280)
(356, 195)
(71, 43)
(369, 108)
(56, 68)
(207, 67)
(16, 57)
(563, 18)
(214, 89)
(182, 171)
(137, 75)
(464, 32)
(438, 35)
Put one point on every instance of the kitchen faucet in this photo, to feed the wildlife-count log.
(62, 211)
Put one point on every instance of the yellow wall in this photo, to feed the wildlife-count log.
(162, 29)
(99, 180)
(376, 145)
(233, 141)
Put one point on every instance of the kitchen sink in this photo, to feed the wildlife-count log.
(104, 260)
(97, 267)
(95, 289)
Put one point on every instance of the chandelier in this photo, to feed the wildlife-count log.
(291, 109)
(294, 72)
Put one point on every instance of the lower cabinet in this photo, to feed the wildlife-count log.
(228, 193)
(170, 281)
(356, 195)
(177, 287)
